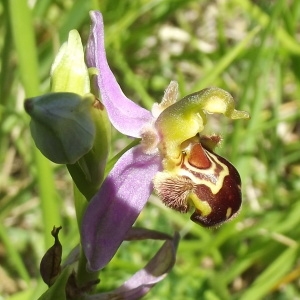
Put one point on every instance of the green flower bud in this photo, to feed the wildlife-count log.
(62, 126)
(72, 130)
(70, 126)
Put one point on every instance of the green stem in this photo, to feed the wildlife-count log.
(23, 35)
(80, 202)
(83, 275)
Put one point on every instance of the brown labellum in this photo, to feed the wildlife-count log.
(50, 263)
(204, 181)
(224, 204)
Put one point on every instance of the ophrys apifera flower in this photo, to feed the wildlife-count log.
(172, 157)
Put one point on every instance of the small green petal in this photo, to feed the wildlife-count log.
(187, 117)
(69, 72)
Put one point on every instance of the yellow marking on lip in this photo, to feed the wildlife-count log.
(228, 212)
(214, 187)
(200, 205)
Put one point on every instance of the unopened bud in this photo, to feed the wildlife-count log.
(61, 125)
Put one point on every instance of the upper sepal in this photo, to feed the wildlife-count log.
(125, 115)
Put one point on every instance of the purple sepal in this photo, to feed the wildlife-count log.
(142, 281)
(116, 206)
(126, 116)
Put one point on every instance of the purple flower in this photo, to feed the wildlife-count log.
(171, 157)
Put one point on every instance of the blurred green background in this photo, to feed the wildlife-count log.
(249, 48)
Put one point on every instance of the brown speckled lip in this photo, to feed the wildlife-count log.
(225, 204)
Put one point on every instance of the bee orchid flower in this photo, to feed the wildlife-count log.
(172, 158)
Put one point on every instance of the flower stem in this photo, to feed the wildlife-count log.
(84, 277)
